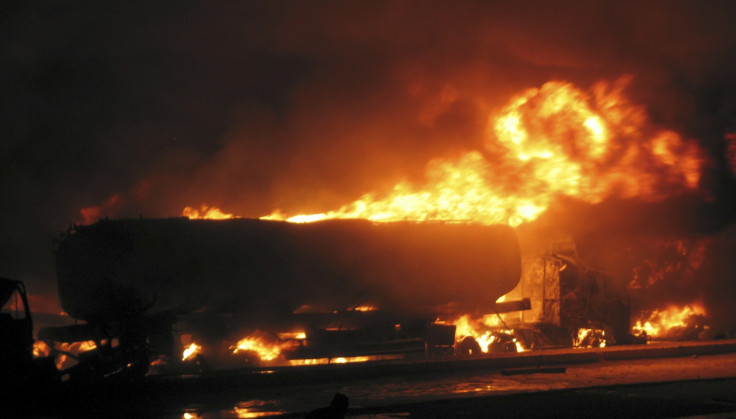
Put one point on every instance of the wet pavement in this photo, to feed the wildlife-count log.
(655, 381)
(650, 387)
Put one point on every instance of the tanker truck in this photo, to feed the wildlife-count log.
(350, 287)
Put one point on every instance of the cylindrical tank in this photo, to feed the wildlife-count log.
(116, 269)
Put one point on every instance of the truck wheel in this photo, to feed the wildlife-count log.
(468, 347)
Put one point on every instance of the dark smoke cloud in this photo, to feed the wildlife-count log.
(305, 106)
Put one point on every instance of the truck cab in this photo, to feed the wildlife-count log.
(16, 331)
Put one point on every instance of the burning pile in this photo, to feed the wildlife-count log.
(678, 323)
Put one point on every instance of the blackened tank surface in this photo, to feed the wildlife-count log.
(116, 269)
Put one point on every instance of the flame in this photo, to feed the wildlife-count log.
(267, 350)
(256, 409)
(553, 141)
(365, 308)
(67, 354)
(590, 338)
(205, 212)
(41, 349)
(87, 345)
(292, 336)
(662, 324)
(191, 351)
(556, 140)
(485, 331)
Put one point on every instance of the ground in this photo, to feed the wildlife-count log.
(651, 381)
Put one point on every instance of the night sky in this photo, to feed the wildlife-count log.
(143, 108)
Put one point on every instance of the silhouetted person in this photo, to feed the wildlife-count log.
(336, 410)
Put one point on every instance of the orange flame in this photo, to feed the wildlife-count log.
(205, 212)
(485, 331)
(191, 351)
(553, 141)
(590, 338)
(663, 323)
(266, 350)
(67, 354)
(41, 349)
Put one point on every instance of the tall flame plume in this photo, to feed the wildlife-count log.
(552, 141)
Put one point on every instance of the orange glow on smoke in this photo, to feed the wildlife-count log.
(92, 214)
(663, 323)
(556, 140)
(731, 151)
(667, 260)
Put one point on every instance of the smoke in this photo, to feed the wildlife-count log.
(305, 106)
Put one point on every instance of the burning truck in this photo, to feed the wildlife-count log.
(328, 291)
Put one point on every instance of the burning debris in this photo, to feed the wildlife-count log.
(673, 323)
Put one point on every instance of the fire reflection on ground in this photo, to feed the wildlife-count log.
(415, 388)
(242, 410)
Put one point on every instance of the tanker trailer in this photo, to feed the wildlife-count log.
(130, 279)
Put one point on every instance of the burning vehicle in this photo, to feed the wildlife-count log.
(147, 290)
(333, 289)
(432, 269)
